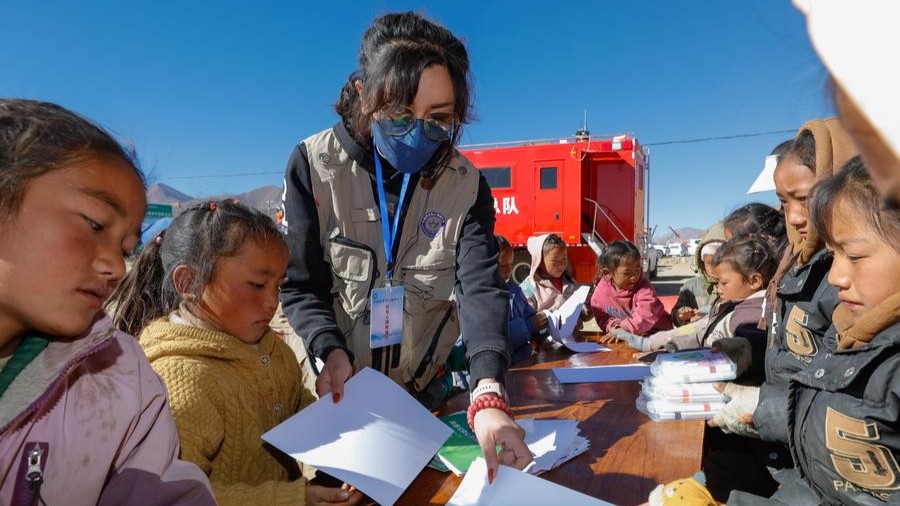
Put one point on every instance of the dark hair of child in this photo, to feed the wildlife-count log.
(197, 238)
(803, 147)
(502, 243)
(615, 253)
(761, 221)
(748, 256)
(37, 138)
(853, 187)
(552, 241)
(782, 149)
(394, 52)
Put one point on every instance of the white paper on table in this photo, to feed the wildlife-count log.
(561, 322)
(602, 373)
(512, 486)
(583, 347)
(552, 442)
(377, 439)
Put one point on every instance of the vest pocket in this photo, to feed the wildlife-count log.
(433, 277)
(352, 266)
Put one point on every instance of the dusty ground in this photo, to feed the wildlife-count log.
(673, 272)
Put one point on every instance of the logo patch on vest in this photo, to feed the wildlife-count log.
(432, 223)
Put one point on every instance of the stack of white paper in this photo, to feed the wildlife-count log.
(514, 487)
(682, 385)
(561, 323)
(552, 442)
(377, 439)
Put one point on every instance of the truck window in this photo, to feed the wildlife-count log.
(498, 177)
(548, 178)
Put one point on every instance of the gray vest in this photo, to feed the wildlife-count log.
(425, 264)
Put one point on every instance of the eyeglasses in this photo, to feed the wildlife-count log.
(398, 120)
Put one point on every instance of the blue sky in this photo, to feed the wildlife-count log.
(222, 88)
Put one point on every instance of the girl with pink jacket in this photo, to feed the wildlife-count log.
(623, 298)
(83, 418)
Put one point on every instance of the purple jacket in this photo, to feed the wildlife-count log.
(97, 414)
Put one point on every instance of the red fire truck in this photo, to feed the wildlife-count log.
(588, 190)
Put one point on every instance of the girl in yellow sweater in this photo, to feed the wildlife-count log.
(200, 297)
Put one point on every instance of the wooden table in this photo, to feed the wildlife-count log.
(629, 453)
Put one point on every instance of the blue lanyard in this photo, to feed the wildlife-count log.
(388, 231)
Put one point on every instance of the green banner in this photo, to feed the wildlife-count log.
(159, 211)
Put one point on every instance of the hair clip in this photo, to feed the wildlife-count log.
(212, 206)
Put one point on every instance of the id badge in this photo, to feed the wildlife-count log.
(386, 326)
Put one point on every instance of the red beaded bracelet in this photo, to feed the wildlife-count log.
(486, 401)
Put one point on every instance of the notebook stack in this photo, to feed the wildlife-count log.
(681, 385)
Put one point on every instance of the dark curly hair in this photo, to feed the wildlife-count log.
(395, 51)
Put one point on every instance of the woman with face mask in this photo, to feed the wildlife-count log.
(390, 230)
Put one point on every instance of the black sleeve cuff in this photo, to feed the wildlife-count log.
(488, 364)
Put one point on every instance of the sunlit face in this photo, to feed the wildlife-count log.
(627, 274)
(506, 261)
(434, 96)
(793, 183)
(62, 254)
(880, 161)
(242, 295)
(866, 269)
(732, 285)
(556, 259)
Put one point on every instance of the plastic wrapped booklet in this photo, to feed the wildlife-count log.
(694, 366)
(661, 389)
(661, 410)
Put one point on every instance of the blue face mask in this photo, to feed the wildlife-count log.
(409, 152)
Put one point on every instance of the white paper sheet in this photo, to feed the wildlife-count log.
(602, 373)
(561, 322)
(377, 439)
(583, 347)
(765, 181)
(514, 487)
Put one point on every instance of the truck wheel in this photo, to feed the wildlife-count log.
(521, 267)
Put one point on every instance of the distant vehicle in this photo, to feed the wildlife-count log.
(693, 244)
(650, 262)
(661, 249)
(676, 249)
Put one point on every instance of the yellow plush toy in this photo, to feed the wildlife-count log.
(688, 491)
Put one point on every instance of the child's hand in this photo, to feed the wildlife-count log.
(686, 314)
(737, 415)
(539, 321)
(344, 496)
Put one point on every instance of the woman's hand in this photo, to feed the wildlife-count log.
(494, 427)
(334, 374)
(345, 496)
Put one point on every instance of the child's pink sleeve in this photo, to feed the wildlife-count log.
(598, 301)
(647, 311)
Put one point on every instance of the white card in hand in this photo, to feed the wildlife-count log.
(561, 322)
